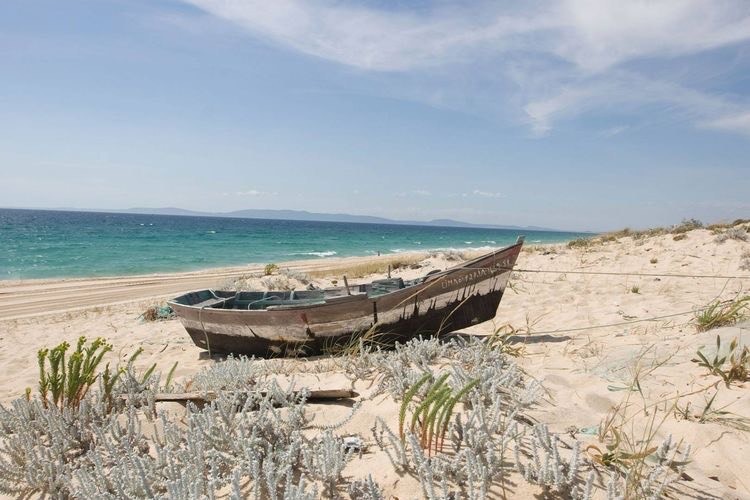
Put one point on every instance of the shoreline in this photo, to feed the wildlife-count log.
(24, 298)
(81, 246)
(220, 270)
(253, 265)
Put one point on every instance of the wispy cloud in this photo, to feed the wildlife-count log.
(370, 38)
(576, 55)
(735, 122)
(487, 194)
(253, 192)
(626, 92)
(613, 131)
(483, 194)
(414, 192)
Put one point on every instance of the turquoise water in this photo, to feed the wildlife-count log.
(54, 244)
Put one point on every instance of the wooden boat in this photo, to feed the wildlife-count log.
(307, 322)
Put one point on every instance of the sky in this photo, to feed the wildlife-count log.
(572, 114)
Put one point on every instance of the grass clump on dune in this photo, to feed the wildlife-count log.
(677, 230)
(722, 313)
(375, 266)
(733, 233)
(686, 225)
(739, 362)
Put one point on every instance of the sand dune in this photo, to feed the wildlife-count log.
(585, 337)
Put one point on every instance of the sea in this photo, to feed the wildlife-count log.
(62, 244)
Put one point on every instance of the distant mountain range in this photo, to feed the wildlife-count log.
(303, 215)
(299, 215)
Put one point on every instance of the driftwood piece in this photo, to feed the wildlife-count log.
(202, 397)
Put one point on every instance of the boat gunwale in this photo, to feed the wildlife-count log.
(427, 281)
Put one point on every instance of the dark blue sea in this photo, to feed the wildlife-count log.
(57, 244)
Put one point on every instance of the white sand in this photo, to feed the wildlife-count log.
(583, 371)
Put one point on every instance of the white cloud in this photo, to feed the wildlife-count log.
(255, 192)
(368, 38)
(487, 194)
(613, 131)
(414, 192)
(629, 93)
(735, 122)
(483, 194)
(552, 59)
(593, 34)
(597, 34)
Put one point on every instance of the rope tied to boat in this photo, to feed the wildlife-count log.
(613, 273)
(623, 323)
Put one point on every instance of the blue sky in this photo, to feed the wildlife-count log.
(576, 114)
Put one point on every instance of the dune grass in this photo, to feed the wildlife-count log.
(738, 367)
(367, 268)
(722, 313)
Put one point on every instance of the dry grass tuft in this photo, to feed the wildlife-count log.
(582, 242)
(686, 225)
(360, 270)
(269, 269)
(734, 233)
(723, 226)
(628, 433)
(745, 261)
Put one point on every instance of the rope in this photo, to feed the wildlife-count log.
(610, 273)
(623, 323)
(606, 273)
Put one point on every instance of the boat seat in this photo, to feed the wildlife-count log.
(380, 287)
(209, 298)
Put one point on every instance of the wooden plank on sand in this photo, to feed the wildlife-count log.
(207, 396)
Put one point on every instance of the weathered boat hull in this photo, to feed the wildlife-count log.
(462, 296)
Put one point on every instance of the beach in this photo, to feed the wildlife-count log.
(606, 327)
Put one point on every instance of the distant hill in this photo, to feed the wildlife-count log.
(303, 215)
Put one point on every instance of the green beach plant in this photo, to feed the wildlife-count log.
(721, 313)
(711, 414)
(739, 362)
(269, 269)
(431, 417)
(501, 339)
(408, 396)
(65, 384)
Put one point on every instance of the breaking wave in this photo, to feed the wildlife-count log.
(326, 253)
